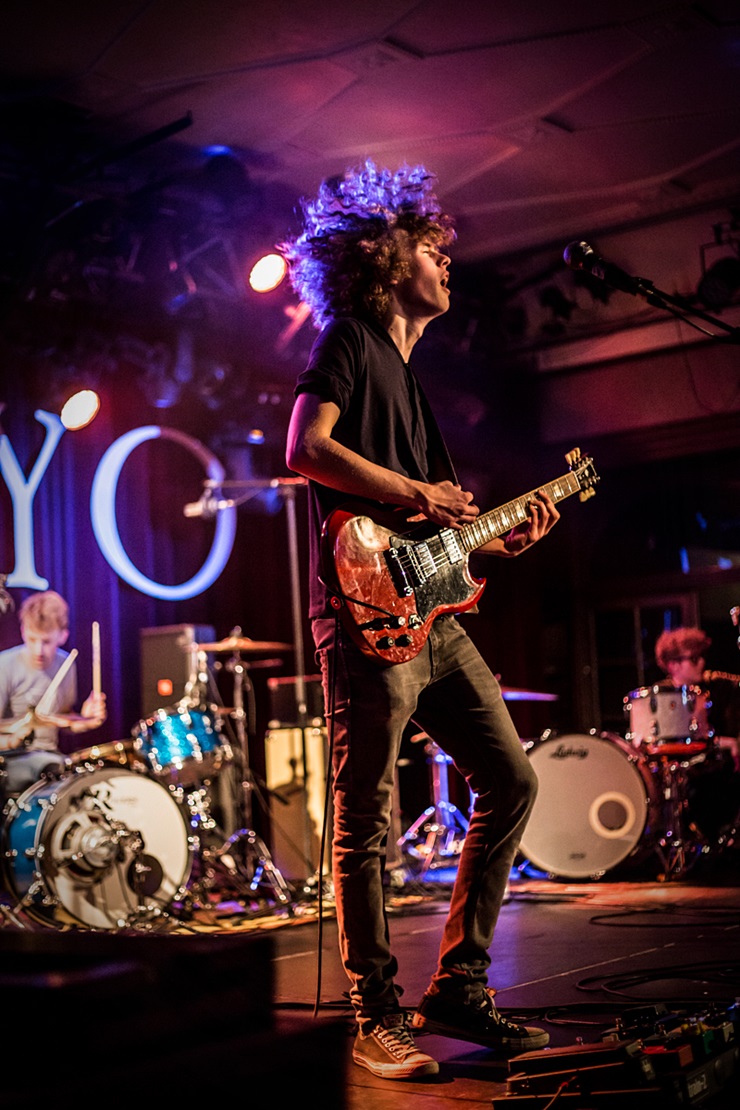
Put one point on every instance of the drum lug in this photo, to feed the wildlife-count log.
(38, 887)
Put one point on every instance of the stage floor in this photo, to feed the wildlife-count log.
(576, 958)
(255, 1002)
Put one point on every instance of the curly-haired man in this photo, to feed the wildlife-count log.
(371, 264)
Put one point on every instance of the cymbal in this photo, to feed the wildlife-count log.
(240, 643)
(512, 693)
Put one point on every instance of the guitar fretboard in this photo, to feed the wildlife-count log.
(489, 526)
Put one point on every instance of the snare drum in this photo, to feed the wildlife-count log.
(182, 745)
(121, 752)
(105, 846)
(668, 720)
(598, 803)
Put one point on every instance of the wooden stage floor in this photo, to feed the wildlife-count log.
(574, 957)
(223, 1004)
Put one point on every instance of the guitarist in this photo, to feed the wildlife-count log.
(371, 264)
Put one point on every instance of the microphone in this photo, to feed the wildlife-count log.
(206, 507)
(582, 256)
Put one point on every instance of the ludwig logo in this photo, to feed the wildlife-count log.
(563, 751)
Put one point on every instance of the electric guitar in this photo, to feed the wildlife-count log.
(389, 583)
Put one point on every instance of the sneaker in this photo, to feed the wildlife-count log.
(388, 1050)
(480, 1023)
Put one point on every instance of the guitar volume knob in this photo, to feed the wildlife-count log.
(404, 640)
(384, 642)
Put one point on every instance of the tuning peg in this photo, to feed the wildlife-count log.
(586, 493)
(573, 456)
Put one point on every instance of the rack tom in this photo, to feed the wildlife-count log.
(668, 720)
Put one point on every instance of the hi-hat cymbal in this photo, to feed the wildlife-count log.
(240, 643)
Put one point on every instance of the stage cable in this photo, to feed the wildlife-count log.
(331, 658)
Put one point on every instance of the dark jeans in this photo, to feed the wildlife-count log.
(450, 692)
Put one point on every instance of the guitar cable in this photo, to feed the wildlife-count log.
(331, 688)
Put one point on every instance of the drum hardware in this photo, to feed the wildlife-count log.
(104, 848)
(681, 843)
(242, 861)
(436, 837)
(256, 856)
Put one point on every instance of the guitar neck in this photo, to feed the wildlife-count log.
(489, 526)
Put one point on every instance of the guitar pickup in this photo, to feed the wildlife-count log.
(394, 558)
(451, 546)
(422, 560)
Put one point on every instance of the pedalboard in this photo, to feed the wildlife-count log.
(654, 1057)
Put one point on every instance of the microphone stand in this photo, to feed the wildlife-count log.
(683, 308)
(287, 489)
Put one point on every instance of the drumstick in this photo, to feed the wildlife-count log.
(51, 689)
(96, 658)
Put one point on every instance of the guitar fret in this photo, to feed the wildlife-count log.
(499, 521)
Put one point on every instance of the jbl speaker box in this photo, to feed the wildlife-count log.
(167, 662)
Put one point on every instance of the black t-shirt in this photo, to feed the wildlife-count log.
(384, 416)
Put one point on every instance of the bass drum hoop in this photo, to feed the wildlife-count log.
(597, 804)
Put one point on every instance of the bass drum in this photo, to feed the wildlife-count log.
(598, 802)
(102, 847)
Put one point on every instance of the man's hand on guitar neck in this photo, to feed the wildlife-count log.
(543, 516)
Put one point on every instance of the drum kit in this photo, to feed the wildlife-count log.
(605, 800)
(125, 836)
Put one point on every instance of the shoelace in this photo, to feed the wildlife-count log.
(503, 1023)
(397, 1040)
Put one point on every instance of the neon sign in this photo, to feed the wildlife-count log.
(103, 510)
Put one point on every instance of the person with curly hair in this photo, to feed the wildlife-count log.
(682, 654)
(371, 263)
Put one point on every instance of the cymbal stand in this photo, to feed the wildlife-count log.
(255, 866)
(436, 837)
(681, 844)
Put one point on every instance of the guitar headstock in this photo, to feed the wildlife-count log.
(583, 468)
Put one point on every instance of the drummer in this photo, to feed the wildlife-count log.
(29, 738)
(682, 654)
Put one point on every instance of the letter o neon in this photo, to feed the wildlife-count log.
(103, 515)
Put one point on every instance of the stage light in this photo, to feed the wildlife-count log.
(719, 285)
(267, 273)
(80, 409)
